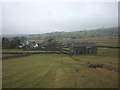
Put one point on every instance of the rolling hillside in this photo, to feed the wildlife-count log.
(77, 34)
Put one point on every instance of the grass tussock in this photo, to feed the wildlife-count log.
(103, 66)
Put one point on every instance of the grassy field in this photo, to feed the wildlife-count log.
(63, 71)
(59, 71)
(5, 55)
(103, 41)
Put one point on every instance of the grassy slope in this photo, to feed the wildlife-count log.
(60, 70)
(84, 34)
(56, 70)
(104, 41)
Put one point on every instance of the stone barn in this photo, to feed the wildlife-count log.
(83, 48)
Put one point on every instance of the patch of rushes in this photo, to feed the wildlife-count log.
(103, 66)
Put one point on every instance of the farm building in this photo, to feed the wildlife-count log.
(83, 48)
(28, 45)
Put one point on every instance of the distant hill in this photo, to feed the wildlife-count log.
(77, 34)
(71, 35)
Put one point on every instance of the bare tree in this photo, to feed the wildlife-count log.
(5, 43)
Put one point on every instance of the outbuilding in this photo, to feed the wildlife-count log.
(83, 48)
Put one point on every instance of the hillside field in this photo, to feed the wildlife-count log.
(63, 71)
(59, 71)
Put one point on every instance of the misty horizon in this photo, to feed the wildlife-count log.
(39, 18)
(54, 32)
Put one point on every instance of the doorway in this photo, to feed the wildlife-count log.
(89, 50)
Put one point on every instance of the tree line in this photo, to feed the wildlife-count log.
(13, 43)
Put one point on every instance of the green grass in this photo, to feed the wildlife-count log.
(66, 48)
(108, 51)
(25, 51)
(58, 71)
(5, 55)
(103, 41)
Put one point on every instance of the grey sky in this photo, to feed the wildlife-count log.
(29, 18)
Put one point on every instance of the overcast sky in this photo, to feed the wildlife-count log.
(36, 18)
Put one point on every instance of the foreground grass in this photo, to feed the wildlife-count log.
(58, 71)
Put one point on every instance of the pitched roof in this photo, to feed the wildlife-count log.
(86, 44)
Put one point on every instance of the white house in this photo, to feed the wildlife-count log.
(36, 45)
(21, 45)
(27, 43)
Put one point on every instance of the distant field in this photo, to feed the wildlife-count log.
(104, 41)
(108, 51)
(59, 71)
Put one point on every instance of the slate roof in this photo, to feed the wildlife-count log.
(87, 45)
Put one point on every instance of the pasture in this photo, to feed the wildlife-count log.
(59, 71)
(63, 71)
(103, 41)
